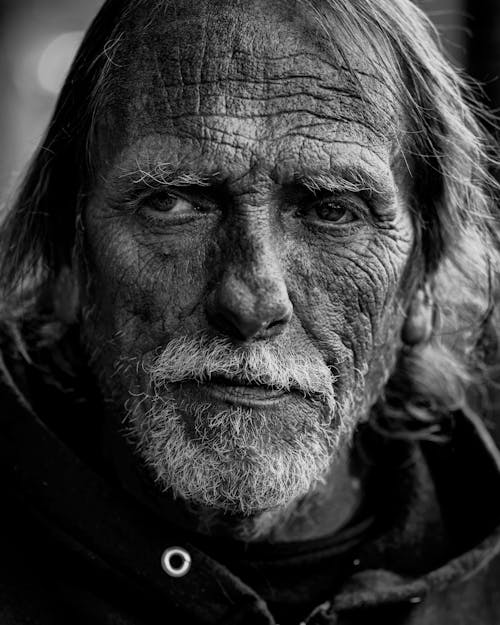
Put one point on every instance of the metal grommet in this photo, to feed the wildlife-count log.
(175, 561)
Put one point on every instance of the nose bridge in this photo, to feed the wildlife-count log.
(254, 256)
(251, 299)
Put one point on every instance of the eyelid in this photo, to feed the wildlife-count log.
(360, 206)
(326, 196)
(183, 208)
(195, 196)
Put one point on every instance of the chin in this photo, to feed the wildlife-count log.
(235, 459)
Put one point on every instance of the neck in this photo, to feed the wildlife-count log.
(323, 511)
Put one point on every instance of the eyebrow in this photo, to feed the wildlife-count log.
(349, 179)
(168, 175)
(378, 187)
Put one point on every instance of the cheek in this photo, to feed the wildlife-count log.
(349, 300)
(142, 291)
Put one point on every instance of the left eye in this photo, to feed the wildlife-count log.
(334, 211)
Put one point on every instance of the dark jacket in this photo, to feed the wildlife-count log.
(75, 548)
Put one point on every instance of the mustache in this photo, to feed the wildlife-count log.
(201, 358)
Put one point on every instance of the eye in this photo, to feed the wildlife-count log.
(168, 203)
(340, 211)
(171, 205)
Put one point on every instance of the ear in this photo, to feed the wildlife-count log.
(419, 322)
(65, 296)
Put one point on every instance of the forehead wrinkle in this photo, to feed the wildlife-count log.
(240, 75)
(249, 91)
(205, 68)
(266, 122)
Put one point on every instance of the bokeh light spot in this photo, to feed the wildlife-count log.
(56, 59)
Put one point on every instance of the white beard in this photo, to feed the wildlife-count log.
(238, 460)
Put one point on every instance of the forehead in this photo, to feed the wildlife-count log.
(240, 84)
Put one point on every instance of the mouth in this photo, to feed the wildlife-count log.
(242, 393)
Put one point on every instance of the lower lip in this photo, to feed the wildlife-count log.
(249, 396)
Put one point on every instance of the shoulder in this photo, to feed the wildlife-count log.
(473, 600)
(23, 587)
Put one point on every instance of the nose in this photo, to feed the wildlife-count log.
(252, 304)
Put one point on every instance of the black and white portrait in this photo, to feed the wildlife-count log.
(248, 313)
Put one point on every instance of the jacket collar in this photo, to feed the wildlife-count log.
(462, 471)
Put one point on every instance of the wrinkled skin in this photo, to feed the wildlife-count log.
(255, 102)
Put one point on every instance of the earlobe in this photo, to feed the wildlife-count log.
(65, 296)
(419, 323)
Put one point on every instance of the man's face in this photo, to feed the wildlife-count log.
(246, 251)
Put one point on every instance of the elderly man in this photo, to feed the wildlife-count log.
(247, 297)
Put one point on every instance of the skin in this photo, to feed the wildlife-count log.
(278, 241)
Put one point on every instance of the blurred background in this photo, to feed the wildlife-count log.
(38, 39)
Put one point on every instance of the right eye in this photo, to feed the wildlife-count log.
(172, 206)
(169, 203)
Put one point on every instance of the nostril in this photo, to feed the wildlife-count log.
(274, 324)
(247, 314)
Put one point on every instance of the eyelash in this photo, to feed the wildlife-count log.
(346, 205)
(164, 199)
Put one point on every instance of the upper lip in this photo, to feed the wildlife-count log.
(239, 382)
